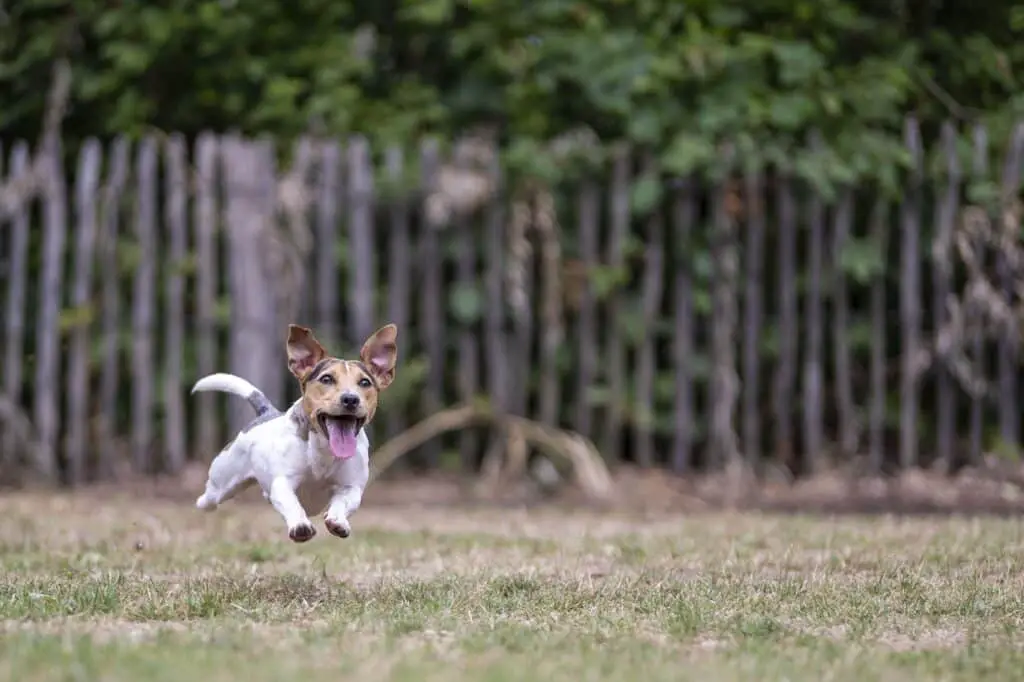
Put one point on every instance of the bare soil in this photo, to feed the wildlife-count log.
(970, 492)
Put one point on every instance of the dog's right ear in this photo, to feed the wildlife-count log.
(304, 351)
(380, 353)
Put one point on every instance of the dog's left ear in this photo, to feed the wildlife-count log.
(304, 351)
(380, 353)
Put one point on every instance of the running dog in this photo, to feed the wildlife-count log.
(316, 455)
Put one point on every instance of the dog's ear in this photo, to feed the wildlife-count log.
(304, 351)
(380, 353)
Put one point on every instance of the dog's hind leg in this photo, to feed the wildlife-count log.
(229, 474)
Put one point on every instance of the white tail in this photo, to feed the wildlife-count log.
(229, 383)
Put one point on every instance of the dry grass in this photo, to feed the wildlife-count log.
(121, 589)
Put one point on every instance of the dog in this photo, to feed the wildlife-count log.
(316, 455)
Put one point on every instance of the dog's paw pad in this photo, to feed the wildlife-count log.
(302, 533)
(340, 529)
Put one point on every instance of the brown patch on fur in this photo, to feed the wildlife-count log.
(326, 380)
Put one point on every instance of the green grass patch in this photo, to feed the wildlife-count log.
(113, 592)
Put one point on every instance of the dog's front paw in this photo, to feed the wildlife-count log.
(340, 528)
(302, 532)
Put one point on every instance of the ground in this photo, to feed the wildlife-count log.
(106, 585)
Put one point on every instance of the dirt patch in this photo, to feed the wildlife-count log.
(654, 492)
(99, 629)
(925, 641)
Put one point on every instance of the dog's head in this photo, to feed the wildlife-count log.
(339, 396)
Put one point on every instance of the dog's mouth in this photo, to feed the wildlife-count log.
(341, 432)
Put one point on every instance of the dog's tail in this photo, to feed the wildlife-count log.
(229, 383)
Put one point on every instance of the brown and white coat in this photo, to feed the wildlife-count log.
(315, 456)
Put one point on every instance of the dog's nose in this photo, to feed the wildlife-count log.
(349, 400)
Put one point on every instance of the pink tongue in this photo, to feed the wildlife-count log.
(342, 437)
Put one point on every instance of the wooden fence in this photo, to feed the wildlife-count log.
(751, 320)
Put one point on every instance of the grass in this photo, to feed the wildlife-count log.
(123, 589)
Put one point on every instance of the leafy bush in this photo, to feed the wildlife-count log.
(675, 77)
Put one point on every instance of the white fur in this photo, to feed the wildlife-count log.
(292, 463)
(227, 383)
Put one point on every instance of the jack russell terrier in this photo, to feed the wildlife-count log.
(316, 455)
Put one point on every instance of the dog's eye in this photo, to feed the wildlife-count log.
(327, 379)
(365, 383)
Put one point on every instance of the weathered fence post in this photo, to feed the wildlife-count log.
(910, 300)
(78, 394)
(587, 338)
(16, 305)
(143, 306)
(295, 194)
(846, 409)
(175, 206)
(879, 307)
(46, 408)
(496, 347)
(400, 263)
(468, 376)
(753, 300)
(328, 317)
(431, 302)
(1008, 350)
(786, 368)
(684, 214)
(109, 265)
(650, 305)
(206, 229)
(614, 349)
(722, 443)
(813, 319)
(942, 275)
(274, 251)
(362, 265)
(256, 340)
(551, 329)
(362, 259)
(980, 172)
(519, 291)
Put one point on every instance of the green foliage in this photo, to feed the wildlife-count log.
(862, 260)
(675, 78)
(466, 302)
(72, 318)
(646, 193)
(408, 383)
(605, 279)
(1008, 451)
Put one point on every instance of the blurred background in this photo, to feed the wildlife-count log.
(745, 242)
